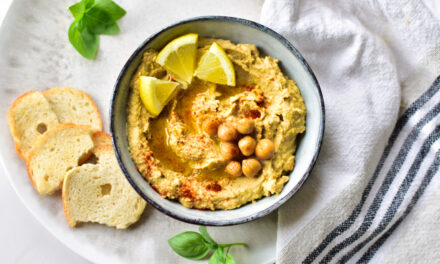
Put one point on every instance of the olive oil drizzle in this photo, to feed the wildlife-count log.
(159, 142)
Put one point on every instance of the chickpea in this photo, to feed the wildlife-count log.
(229, 150)
(265, 149)
(211, 127)
(247, 145)
(245, 126)
(251, 167)
(233, 168)
(227, 132)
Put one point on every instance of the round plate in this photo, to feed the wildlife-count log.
(35, 54)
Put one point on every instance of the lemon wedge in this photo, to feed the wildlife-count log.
(179, 56)
(156, 93)
(215, 66)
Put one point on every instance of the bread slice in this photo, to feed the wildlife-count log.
(101, 138)
(100, 193)
(74, 106)
(56, 152)
(29, 117)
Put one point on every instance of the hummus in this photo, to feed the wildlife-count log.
(183, 163)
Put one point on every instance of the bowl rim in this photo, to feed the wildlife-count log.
(257, 214)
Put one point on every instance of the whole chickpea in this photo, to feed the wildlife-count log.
(227, 132)
(251, 167)
(247, 145)
(229, 150)
(210, 126)
(265, 149)
(245, 126)
(233, 168)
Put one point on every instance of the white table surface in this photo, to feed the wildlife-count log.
(22, 238)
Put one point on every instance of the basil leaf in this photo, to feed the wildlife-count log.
(83, 41)
(110, 29)
(77, 10)
(99, 22)
(206, 236)
(229, 259)
(190, 245)
(218, 257)
(93, 17)
(111, 8)
(88, 3)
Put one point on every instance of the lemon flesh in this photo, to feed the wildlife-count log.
(215, 66)
(179, 57)
(156, 93)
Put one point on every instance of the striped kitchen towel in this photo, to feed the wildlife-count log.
(374, 195)
(409, 162)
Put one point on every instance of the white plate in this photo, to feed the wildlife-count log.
(35, 55)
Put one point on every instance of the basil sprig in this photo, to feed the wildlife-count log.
(195, 246)
(93, 18)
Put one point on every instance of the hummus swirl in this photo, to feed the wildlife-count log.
(183, 163)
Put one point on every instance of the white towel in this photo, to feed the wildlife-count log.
(374, 193)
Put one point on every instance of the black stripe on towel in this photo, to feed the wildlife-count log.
(389, 178)
(400, 195)
(426, 180)
(419, 103)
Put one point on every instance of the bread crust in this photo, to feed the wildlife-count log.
(102, 148)
(101, 138)
(12, 126)
(28, 169)
(92, 103)
(71, 222)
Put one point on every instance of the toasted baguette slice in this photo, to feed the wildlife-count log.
(29, 117)
(57, 151)
(100, 193)
(74, 106)
(101, 138)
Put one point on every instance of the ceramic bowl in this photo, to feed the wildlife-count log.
(292, 64)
